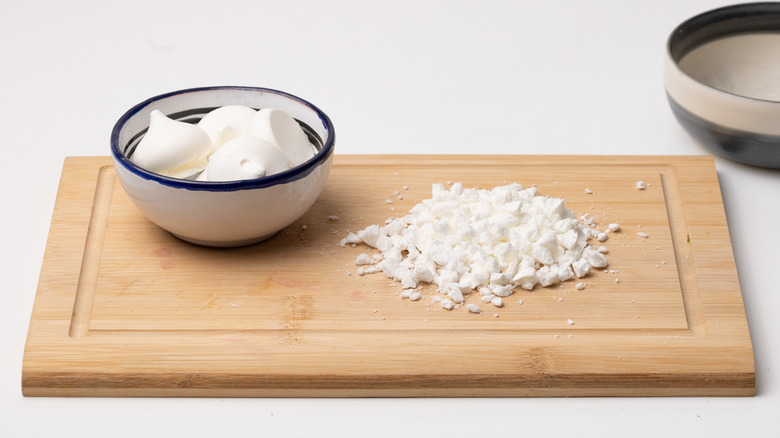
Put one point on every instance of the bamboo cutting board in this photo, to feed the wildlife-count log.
(125, 309)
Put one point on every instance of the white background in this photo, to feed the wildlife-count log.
(517, 77)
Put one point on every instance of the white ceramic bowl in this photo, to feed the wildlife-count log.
(722, 78)
(230, 213)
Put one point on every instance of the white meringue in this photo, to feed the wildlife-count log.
(245, 158)
(260, 143)
(284, 132)
(226, 123)
(172, 148)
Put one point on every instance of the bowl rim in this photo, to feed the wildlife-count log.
(295, 173)
(754, 10)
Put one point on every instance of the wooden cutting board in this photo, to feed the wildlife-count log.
(125, 309)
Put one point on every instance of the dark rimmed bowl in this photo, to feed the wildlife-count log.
(718, 74)
(223, 213)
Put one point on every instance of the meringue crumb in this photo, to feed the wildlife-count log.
(642, 234)
(333, 218)
(588, 191)
(570, 321)
(362, 259)
(640, 185)
(388, 201)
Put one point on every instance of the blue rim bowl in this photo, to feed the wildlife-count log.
(118, 147)
(223, 213)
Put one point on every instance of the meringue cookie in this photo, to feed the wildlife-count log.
(226, 123)
(284, 132)
(172, 148)
(245, 158)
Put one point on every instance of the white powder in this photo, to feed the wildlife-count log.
(464, 239)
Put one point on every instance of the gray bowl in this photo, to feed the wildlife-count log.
(722, 78)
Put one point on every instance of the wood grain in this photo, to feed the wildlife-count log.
(125, 309)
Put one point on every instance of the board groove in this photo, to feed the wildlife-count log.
(682, 251)
(93, 251)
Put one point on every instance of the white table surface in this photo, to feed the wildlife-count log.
(566, 77)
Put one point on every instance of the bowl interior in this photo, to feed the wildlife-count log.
(735, 49)
(745, 64)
